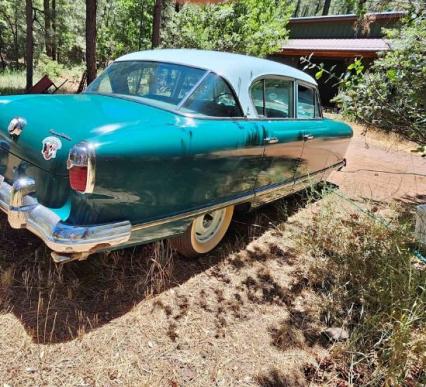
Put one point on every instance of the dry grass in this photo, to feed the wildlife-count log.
(369, 284)
(252, 313)
(145, 315)
(13, 81)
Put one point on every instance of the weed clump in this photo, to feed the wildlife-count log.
(365, 274)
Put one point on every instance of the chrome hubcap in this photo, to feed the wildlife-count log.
(207, 226)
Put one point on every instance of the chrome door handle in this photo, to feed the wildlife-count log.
(307, 137)
(271, 140)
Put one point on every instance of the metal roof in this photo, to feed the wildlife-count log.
(238, 70)
(347, 17)
(374, 45)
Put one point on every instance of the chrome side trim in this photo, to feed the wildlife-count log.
(193, 213)
(288, 187)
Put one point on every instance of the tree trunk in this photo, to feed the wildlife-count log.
(141, 26)
(156, 23)
(317, 7)
(91, 40)
(53, 37)
(29, 43)
(15, 36)
(47, 32)
(326, 7)
(296, 10)
(2, 61)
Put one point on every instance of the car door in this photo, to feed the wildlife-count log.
(316, 151)
(273, 98)
(223, 149)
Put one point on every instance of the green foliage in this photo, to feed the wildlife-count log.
(125, 26)
(392, 94)
(245, 26)
(49, 67)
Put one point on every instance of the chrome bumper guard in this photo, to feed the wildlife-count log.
(67, 242)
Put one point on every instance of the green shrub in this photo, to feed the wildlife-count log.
(49, 67)
(392, 94)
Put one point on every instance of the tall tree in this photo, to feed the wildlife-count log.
(156, 23)
(47, 26)
(297, 8)
(29, 51)
(141, 20)
(317, 7)
(91, 40)
(326, 7)
(53, 36)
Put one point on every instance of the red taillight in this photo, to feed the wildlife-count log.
(78, 178)
(81, 167)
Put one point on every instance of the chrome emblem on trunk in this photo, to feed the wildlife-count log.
(50, 146)
(16, 126)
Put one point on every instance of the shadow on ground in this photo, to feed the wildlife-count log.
(59, 303)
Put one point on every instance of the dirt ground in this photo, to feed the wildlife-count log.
(382, 168)
(240, 316)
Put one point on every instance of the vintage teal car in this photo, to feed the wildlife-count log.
(163, 143)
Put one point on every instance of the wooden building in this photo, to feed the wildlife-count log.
(335, 41)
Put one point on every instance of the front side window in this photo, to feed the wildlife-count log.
(159, 83)
(273, 98)
(213, 98)
(307, 103)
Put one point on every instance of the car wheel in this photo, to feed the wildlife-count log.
(204, 233)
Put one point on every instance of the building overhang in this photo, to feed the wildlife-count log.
(334, 48)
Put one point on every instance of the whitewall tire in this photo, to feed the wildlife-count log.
(204, 233)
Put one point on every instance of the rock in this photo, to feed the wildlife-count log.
(336, 334)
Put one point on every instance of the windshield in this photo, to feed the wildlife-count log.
(161, 83)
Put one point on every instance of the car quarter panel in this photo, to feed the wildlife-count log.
(150, 173)
(325, 144)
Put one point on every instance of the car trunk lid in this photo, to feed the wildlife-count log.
(54, 123)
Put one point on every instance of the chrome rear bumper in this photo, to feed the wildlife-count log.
(67, 242)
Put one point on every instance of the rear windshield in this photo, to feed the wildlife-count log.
(164, 84)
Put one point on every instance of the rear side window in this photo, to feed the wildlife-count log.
(307, 103)
(213, 98)
(273, 98)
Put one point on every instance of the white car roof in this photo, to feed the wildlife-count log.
(238, 70)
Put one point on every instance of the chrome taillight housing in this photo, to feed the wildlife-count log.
(82, 167)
